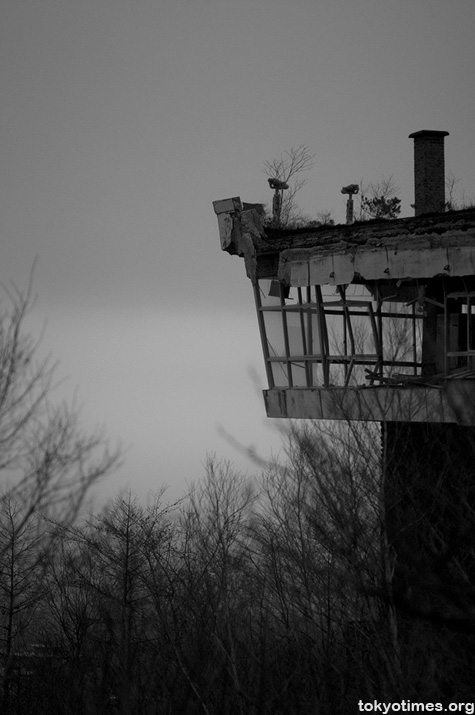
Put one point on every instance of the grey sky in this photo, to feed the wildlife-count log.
(122, 121)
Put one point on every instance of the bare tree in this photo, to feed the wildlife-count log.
(214, 526)
(47, 462)
(47, 465)
(456, 200)
(21, 587)
(379, 199)
(287, 170)
(107, 607)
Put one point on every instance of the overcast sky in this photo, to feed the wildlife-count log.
(121, 121)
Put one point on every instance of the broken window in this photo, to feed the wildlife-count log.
(316, 336)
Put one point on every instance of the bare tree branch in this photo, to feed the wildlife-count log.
(287, 169)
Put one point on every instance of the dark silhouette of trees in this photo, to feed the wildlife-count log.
(21, 586)
(378, 200)
(281, 594)
(47, 464)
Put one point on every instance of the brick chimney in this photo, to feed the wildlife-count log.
(429, 171)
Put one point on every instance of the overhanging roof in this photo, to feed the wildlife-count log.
(400, 258)
(407, 248)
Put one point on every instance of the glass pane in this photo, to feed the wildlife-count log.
(274, 333)
(315, 372)
(279, 371)
(266, 286)
(295, 333)
(312, 332)
(292, 297)
(362, 334)
(299, 375)
(336, 334)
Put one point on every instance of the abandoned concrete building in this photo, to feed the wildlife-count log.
(375, 321)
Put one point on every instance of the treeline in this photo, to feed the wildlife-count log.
(270, 595)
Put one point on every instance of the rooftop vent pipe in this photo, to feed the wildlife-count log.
(429, 171)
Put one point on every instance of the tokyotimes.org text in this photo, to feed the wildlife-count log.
(407, 706)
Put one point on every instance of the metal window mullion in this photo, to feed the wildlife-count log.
(347, 327)
(469, 331)
(286, 338)
(446, 333)
(376, 336)
(308, 367)
(349, 371)
(263, 334)
(310, 344)
(380, 331)
(469, 311)
(414, 339)
(324, 335)
(345, 331)
(350, 329)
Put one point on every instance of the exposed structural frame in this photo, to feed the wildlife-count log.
(369, 321)
(324, 339)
